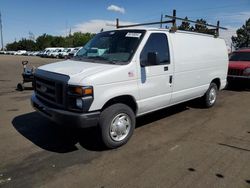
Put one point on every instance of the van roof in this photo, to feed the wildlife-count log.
(162, 29)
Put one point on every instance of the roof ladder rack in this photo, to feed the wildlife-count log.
(174, 27)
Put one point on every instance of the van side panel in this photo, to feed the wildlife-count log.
(198, 59)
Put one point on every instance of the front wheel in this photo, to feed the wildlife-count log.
(117, 124)
(210, 96)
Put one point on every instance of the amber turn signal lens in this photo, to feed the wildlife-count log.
(88, 91)
(81, 91)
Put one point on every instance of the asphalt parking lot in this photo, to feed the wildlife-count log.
(181, 146)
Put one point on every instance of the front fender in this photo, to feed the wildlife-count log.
(104, 93)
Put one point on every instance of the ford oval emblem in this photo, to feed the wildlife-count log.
(43, 89)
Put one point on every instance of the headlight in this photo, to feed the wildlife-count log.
(81, 91)
(80, 98)
(246, 72)
(79, 103)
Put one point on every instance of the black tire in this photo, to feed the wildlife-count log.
(107, 117)
(206, 98)
(20, 87)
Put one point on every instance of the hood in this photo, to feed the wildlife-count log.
(72, 68)
(239, 64)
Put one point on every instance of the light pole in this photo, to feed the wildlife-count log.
(1, 29)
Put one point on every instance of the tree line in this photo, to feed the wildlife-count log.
(45, 40)
(241, 40)
(186, 26)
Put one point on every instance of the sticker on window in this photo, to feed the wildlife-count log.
(135, 35)
(112, 32)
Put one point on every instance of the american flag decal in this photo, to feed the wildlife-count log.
(130, 74)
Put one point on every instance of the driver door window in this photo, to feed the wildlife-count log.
(157, 42)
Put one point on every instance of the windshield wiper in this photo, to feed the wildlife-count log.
(97, 58)
(81, 58)
(103, 58)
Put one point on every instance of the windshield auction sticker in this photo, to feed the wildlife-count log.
(135, 35)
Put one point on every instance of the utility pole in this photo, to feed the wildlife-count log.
(161, 20)
(66, 31)
(1, 29)
(69, 31)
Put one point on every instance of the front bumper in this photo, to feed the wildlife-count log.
(240, 79)
(81, 120)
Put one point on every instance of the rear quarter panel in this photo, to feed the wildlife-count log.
(198, 59)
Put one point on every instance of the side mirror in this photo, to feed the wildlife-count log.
(143, 63)
(153, 58)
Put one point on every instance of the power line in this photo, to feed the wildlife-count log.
(1, 28)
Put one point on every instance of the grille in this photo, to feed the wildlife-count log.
(236, 72)
(49, 91)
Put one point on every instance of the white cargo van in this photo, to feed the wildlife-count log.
(65, 52)
(125, 73)
(56, 52)
(46, 52)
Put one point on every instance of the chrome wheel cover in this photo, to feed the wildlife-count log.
(212, 96)
(120, 127)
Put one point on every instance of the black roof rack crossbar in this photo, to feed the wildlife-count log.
(141, 24)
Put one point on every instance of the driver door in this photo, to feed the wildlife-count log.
(155, 84)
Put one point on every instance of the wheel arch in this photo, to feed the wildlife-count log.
(124, 99)
(217, 82)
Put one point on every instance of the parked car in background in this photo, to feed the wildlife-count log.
(46, 52)
(49, 52)
(3, 52)
(10, 52)
(26, 53)
(40, 53)
(65, 52)
(55, 53)
(20, 52)
(34, 53)
(43, 53)
(239, 67)
(73, 52)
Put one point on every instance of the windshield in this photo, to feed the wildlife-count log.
(112, 46)
(240, 56)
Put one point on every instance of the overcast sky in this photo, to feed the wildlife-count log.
(57, 17)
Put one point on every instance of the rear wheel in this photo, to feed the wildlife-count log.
(117, 124)
(20, 87)
(210, 97)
